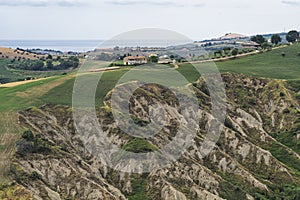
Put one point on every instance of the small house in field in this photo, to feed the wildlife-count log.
(165, 59)
(250, 45)
(135, 60)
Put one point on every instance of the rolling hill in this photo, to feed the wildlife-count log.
(257, 156)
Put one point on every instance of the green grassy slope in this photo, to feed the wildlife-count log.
(268, 65)
(23, 96)
(9, 133)
(62, 94)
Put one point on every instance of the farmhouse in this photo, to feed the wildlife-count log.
(165, 59)
(250, 45)
(135, 60)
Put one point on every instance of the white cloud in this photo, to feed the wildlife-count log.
(291, 3)
(143, 2)
(40, 3)
(156, 3)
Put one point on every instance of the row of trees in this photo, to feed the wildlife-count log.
(292, 36)
(227, 51)
(49, 64)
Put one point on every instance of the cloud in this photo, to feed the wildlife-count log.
(291, 3)
(199, 5)
(144, 2)
(166, 3)
(40, 3)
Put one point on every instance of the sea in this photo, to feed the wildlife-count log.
(58, 45)
(78, 45)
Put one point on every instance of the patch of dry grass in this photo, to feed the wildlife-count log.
(17, 54)
(10, 133)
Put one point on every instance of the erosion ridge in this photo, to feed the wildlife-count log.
(51, 161)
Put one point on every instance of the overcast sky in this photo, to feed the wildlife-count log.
(197, 19)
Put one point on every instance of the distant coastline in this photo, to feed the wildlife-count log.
(78, 45)
(59, 45)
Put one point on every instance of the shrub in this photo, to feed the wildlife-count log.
(138, 145)
(32, 143)
(234, 52)
(286, 111)
(28, 135)
(35, 176)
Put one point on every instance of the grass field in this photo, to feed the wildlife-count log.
(268, 65)
(9, 134)
(58, 90)
(23, 96)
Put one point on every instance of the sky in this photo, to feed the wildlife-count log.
(100, 20)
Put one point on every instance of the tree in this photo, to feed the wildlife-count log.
(218, 52)
(292, 36)
(266, 45)
(28, 135)
(275, 39)
(49, 57)
(153, 59)
(227, 50)
(49, 64)
(72, 61)
(234, 52)
(258, 39)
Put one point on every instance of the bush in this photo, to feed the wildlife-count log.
(35, 176)
(32, 143)
(28, 135)
(138, 145)
(234, 52)
(286, 111)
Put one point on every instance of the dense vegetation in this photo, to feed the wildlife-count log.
(8, 74)
(48, 64)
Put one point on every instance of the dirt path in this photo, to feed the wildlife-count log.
(42, 89)
(13, 84)
(176, 66)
